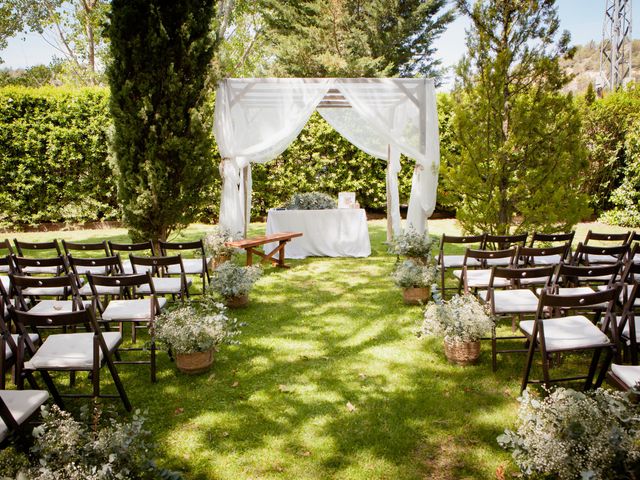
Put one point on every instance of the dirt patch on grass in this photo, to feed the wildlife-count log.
(442, 462)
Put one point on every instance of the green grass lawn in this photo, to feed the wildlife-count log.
(324, 334)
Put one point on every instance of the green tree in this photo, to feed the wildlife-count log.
(160, 79)
(521, 154)
(325, 38)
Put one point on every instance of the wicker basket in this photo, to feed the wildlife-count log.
(416, 296)
(194, 362)
(237, 302)
(215, 262)
(462, 353)
(419, 260)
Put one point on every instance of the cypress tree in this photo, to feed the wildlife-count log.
(521, 155)
(160, 79)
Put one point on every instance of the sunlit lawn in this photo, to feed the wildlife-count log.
(327, 334)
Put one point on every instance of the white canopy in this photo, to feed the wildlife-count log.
(257, 119)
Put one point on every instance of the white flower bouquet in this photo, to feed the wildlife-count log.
(412, 244)
(311, 201)
(459, 320)
(231, 280)
(411, 274)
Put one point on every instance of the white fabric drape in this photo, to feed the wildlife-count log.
(256, 119)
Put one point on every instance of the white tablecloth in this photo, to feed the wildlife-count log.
(340, 232)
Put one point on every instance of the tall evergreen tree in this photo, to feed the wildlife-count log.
(520, 148)
(162, 52)
(359, 38)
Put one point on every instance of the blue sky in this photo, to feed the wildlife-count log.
(583, 18)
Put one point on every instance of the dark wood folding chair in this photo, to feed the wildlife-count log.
(130, 307)
(629, 321)
(51, 249)
(472, 279)
(597, 255)
(611, 239)
(68, 352)
(544, 255)
(456, 261)
(560, 333)
(514, 301)
(18, 410)
(110, 265)
(192, 266)
(139, 248)
(29, 290)
(5, 251)
(163, 283)
(502, 242)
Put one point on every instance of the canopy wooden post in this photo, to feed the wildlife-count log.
(389, 222)
(247, 207)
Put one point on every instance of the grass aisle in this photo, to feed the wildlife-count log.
(330, 382)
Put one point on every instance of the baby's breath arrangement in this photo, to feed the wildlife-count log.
(214, 242)
(231, 280)
(311, 201)
(459, 320)
(573, 435)
(411, 274)
(196, 327)
(412, 244)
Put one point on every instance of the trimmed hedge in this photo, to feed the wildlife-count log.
(54, 156)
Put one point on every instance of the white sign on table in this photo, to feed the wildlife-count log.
(340, 232)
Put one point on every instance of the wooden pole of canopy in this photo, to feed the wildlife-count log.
(247, 207)
(389, 222)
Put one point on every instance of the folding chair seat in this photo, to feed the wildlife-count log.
(110, 265)
(192, 266)
(502, 242)
(129, 248)
(68, 352)
(541, 256)
(52, 248)
(162, 283)
(513, 301)
(567, 333)
(610, 239)
(32, 288)
(130, 308)
(17, 408)
(625, 377)
(629, 323)
(473, 279)
(456, 261)
(26, 266)
(549, 240)
(79, 252)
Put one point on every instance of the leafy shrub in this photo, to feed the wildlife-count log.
(412, 244)
(67, 449)
(570, 435)
(461, 319)
(196, 327)
(12, 462)
(231, 280)
(410, 274)
(311, 201)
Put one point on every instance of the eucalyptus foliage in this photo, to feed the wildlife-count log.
(411, 274)
(214, 242)
(412, 244)
(231, 280)
(159, 75)
(521, 156)
(461, 319)
(311, 201)
(570, 435)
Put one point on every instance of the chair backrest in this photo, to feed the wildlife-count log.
(501, 242)
(483, 255)
(19, 283)
(165, 247)
(515, 275)
(581, 255)
(631, 271)
(528, 255)
(126, 283)
(22, 263)
(550, 238)
(157, 265)
(112, 264)
(21, 246)
(131, 247)
(567, 273)
(621, 238)
(6, 245)
(101, 247)
(558, 303)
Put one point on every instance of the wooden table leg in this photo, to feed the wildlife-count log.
(249, 257)
(281, 254)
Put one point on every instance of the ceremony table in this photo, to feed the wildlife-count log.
(340, 232)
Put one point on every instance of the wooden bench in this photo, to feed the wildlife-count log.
(250, 244)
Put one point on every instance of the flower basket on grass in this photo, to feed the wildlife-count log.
(574, 435)
(415, 279)
(214, 245)
(234, 283)
(462, 321)
(414, 245)
(193, 331)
